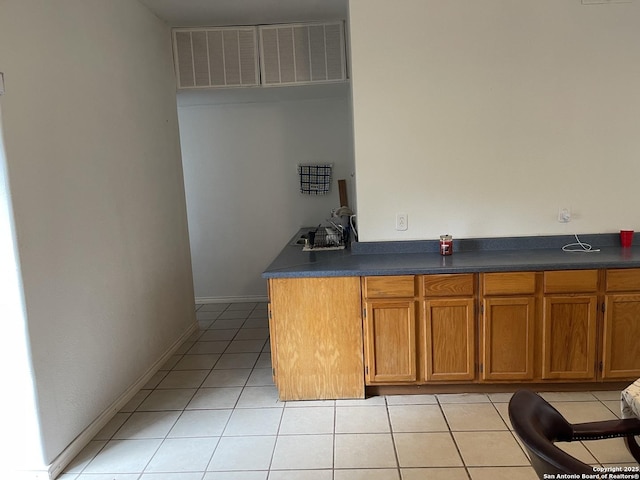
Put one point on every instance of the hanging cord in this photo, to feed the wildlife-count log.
(581, 247)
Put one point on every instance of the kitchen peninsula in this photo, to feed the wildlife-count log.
(497, 314)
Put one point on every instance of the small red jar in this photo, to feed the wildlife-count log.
(446, 245)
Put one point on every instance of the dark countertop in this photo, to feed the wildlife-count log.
(470, 255)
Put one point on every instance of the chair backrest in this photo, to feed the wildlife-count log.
(539, 425)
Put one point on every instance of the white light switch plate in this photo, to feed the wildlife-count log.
(1, 83)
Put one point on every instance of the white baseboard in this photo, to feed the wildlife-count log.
(75, 447)
(253, 298)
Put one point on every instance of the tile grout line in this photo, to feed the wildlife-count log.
(393, 438)
(453, 439)
(333, 441)
(511, 432)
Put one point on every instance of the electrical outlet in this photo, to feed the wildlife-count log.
(564, 214)
(402, 220)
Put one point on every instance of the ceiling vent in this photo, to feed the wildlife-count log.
(216, 57)
(302, 53)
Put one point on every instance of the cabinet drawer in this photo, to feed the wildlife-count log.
(454, 285)
(571, 281)
(511, 283)
(623, 280)
(389, 286)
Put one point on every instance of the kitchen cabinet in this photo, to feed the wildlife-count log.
(569, 325)
(621, 330)
(332, 336)
(389, 328)
(316, 337)
(447, 346)
(508, 322)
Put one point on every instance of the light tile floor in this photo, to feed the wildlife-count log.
(212, 413)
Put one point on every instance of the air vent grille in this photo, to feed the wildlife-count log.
(302, 53)
(216, 57)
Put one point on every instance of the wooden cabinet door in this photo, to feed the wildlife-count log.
(569, 337)
(507, 339)
(621, 335)
(449, 339)
(390, 341)
(317, 331)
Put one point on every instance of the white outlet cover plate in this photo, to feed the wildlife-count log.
(401, 221)
(564, 214)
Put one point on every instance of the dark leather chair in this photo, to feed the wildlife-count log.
(539, 425)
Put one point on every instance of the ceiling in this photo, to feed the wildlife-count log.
(186, 13)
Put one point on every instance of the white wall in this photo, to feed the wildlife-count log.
(482, 118)
(240, 152)
(93, 158)
(21, 442)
